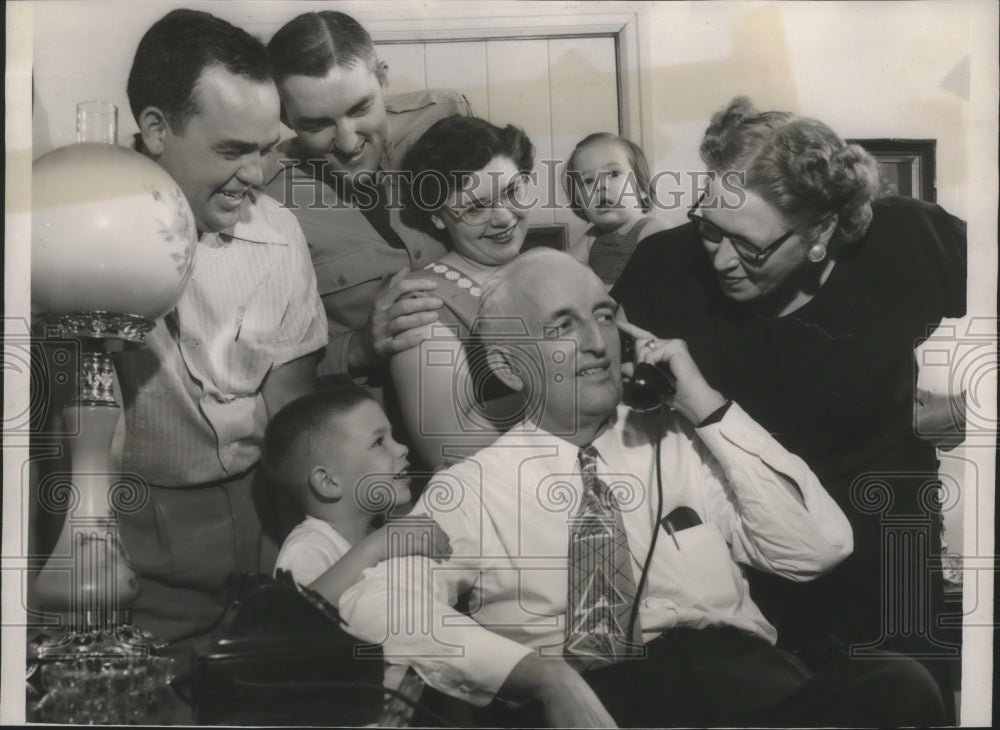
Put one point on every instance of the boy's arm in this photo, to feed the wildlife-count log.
(347, 571)
(406, 605)
(424, 537)
(456, 655)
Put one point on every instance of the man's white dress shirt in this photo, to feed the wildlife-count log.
(507, 509)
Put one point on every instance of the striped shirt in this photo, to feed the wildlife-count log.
(194, 412)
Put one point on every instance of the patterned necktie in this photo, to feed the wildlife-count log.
(601, 586)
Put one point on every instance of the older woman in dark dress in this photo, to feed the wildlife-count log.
(802, 296)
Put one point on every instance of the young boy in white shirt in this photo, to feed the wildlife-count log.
(333, 452)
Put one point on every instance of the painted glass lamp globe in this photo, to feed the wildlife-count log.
(112, 248)
(111, 233)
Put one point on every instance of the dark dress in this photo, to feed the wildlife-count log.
(834, 382)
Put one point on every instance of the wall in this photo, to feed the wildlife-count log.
(873, 69)
(534, 83)
(867, 69)
(67, 70)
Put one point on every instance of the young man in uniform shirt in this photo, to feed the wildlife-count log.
(331, 175)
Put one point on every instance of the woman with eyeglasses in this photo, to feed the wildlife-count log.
(802, 296)
(465, 182)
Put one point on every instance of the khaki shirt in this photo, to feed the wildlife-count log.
(350, 257)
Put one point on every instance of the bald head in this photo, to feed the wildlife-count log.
(549, 328)
(503, 305)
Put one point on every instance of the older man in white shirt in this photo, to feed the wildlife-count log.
(697, 651)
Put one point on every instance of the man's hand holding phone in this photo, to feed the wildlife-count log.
(694, 398)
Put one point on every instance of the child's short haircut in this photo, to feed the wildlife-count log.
(636, 159)
(296, 430)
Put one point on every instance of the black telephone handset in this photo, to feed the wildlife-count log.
(651, 385)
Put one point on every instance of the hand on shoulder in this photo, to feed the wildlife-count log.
(397, 318)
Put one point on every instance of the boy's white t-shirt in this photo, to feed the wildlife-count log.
(310, 550)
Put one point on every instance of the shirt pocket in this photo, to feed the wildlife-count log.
(251, 352)
(702, 570)
(349, 282)
(339, 273)
(248, 359)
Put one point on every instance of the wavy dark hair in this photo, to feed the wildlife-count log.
(313, 43)
(173, 53)
(444, 157)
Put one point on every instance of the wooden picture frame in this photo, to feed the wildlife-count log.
(906, 166)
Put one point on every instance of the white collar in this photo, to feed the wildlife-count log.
(561, 456)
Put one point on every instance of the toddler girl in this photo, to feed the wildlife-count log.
(607, 181)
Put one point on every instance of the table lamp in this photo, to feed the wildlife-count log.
(112, 248)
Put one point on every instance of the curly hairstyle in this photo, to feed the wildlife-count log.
(572, 183)
(443, 159)
(173, 53)
(799, 165)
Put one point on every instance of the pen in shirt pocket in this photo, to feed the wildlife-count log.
(680, 519)
(239, 323)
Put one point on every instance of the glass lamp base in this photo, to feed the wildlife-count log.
(63, 644)
(107, 690)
